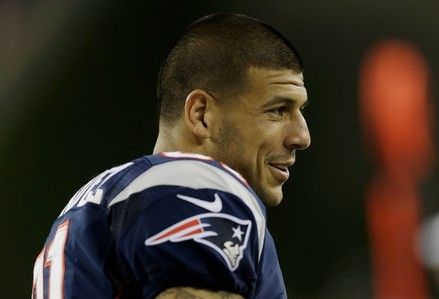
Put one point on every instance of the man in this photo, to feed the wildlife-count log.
(189, 220)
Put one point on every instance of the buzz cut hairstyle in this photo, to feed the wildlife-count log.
(215, 54)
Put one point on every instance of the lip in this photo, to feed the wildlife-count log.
(280, 175)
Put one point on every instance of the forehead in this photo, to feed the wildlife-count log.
(258, 75)
(263, 84)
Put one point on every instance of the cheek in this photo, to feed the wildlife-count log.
(270, 136)
(249, 145)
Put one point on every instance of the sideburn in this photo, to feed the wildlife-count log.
(228, 142)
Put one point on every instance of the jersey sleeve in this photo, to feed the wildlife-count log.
(202, 230)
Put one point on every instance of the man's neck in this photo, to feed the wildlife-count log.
(172, 140)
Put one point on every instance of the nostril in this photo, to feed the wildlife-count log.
(299, 144)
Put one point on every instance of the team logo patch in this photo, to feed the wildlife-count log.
(226, 234)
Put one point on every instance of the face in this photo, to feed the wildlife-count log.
(262, 128)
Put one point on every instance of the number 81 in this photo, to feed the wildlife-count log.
(52, 257)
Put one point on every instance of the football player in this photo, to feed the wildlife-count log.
(189, 221)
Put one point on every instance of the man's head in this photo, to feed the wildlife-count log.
(232, 88)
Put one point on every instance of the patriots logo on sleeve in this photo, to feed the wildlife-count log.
(226, 234)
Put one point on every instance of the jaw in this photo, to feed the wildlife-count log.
(268, 188)
(271, 196)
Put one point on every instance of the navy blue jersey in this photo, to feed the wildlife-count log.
(161, 221)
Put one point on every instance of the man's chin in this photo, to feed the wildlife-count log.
(273, 202)
(271, 198)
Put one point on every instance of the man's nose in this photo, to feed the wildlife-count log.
(298, 137)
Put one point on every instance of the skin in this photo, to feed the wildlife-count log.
(257, 133)
(191, 293)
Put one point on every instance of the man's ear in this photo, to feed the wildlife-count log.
(197, 108)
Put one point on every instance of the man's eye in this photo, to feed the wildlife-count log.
(302, 109)
(278, 110)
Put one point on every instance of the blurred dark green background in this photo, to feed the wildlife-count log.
(77, 95)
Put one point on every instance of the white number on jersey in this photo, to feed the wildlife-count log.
(91, 192)
(51, 257)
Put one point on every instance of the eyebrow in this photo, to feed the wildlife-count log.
(293, 82)
(283, 100)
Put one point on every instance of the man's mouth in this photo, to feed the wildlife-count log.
(280, 167)
(280, 171)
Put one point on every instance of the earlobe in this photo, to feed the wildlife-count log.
(196, 108)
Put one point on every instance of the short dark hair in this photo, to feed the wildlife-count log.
(214, 54)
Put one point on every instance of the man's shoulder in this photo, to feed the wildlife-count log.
(163, 170)
(187, 170)
(181, 197)
(193, 162)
